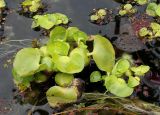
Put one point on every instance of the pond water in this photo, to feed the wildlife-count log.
(18, 33)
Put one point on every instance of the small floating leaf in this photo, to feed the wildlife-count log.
(95, 76)
(143, 32)
(133, 81)
(58, 33)
(121, 67)
(70, 64)
(58, 47)
(140, 70)
(63, 79)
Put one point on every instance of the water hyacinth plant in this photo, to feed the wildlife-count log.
(66, 54)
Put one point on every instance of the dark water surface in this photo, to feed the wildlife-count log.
(18, 32)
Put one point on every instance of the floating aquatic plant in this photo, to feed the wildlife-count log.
(127, 9)
(31, 5)
(151, 32)
(47, 21)
(66, 54)
(100, 16)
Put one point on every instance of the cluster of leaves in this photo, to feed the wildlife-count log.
(153, 9)
(141, 2)
(127, 9)
(31, 5)
(153, 31)
(2, 4)
(66, 54)
(98, 15)
(114, 80)
(47, 21)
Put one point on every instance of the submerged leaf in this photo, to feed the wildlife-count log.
(27, 61)
(58, 95)
(103, 53)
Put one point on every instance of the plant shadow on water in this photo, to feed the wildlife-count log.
(18, 34)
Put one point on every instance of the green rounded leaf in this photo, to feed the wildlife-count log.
(95, 76)
(83, 52)
(143, 32)
(57, 95)
(44, 51)
(103, 53)
(94, 17)
(26, 62)
(48, 62)
(58, 33)
(151, 9)
(118, 86)
(133, 81)
(70, 64)
(121, 67)
(140, 70)
(63, 79)
(70, 32)
(58, 47)
(127, 6)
